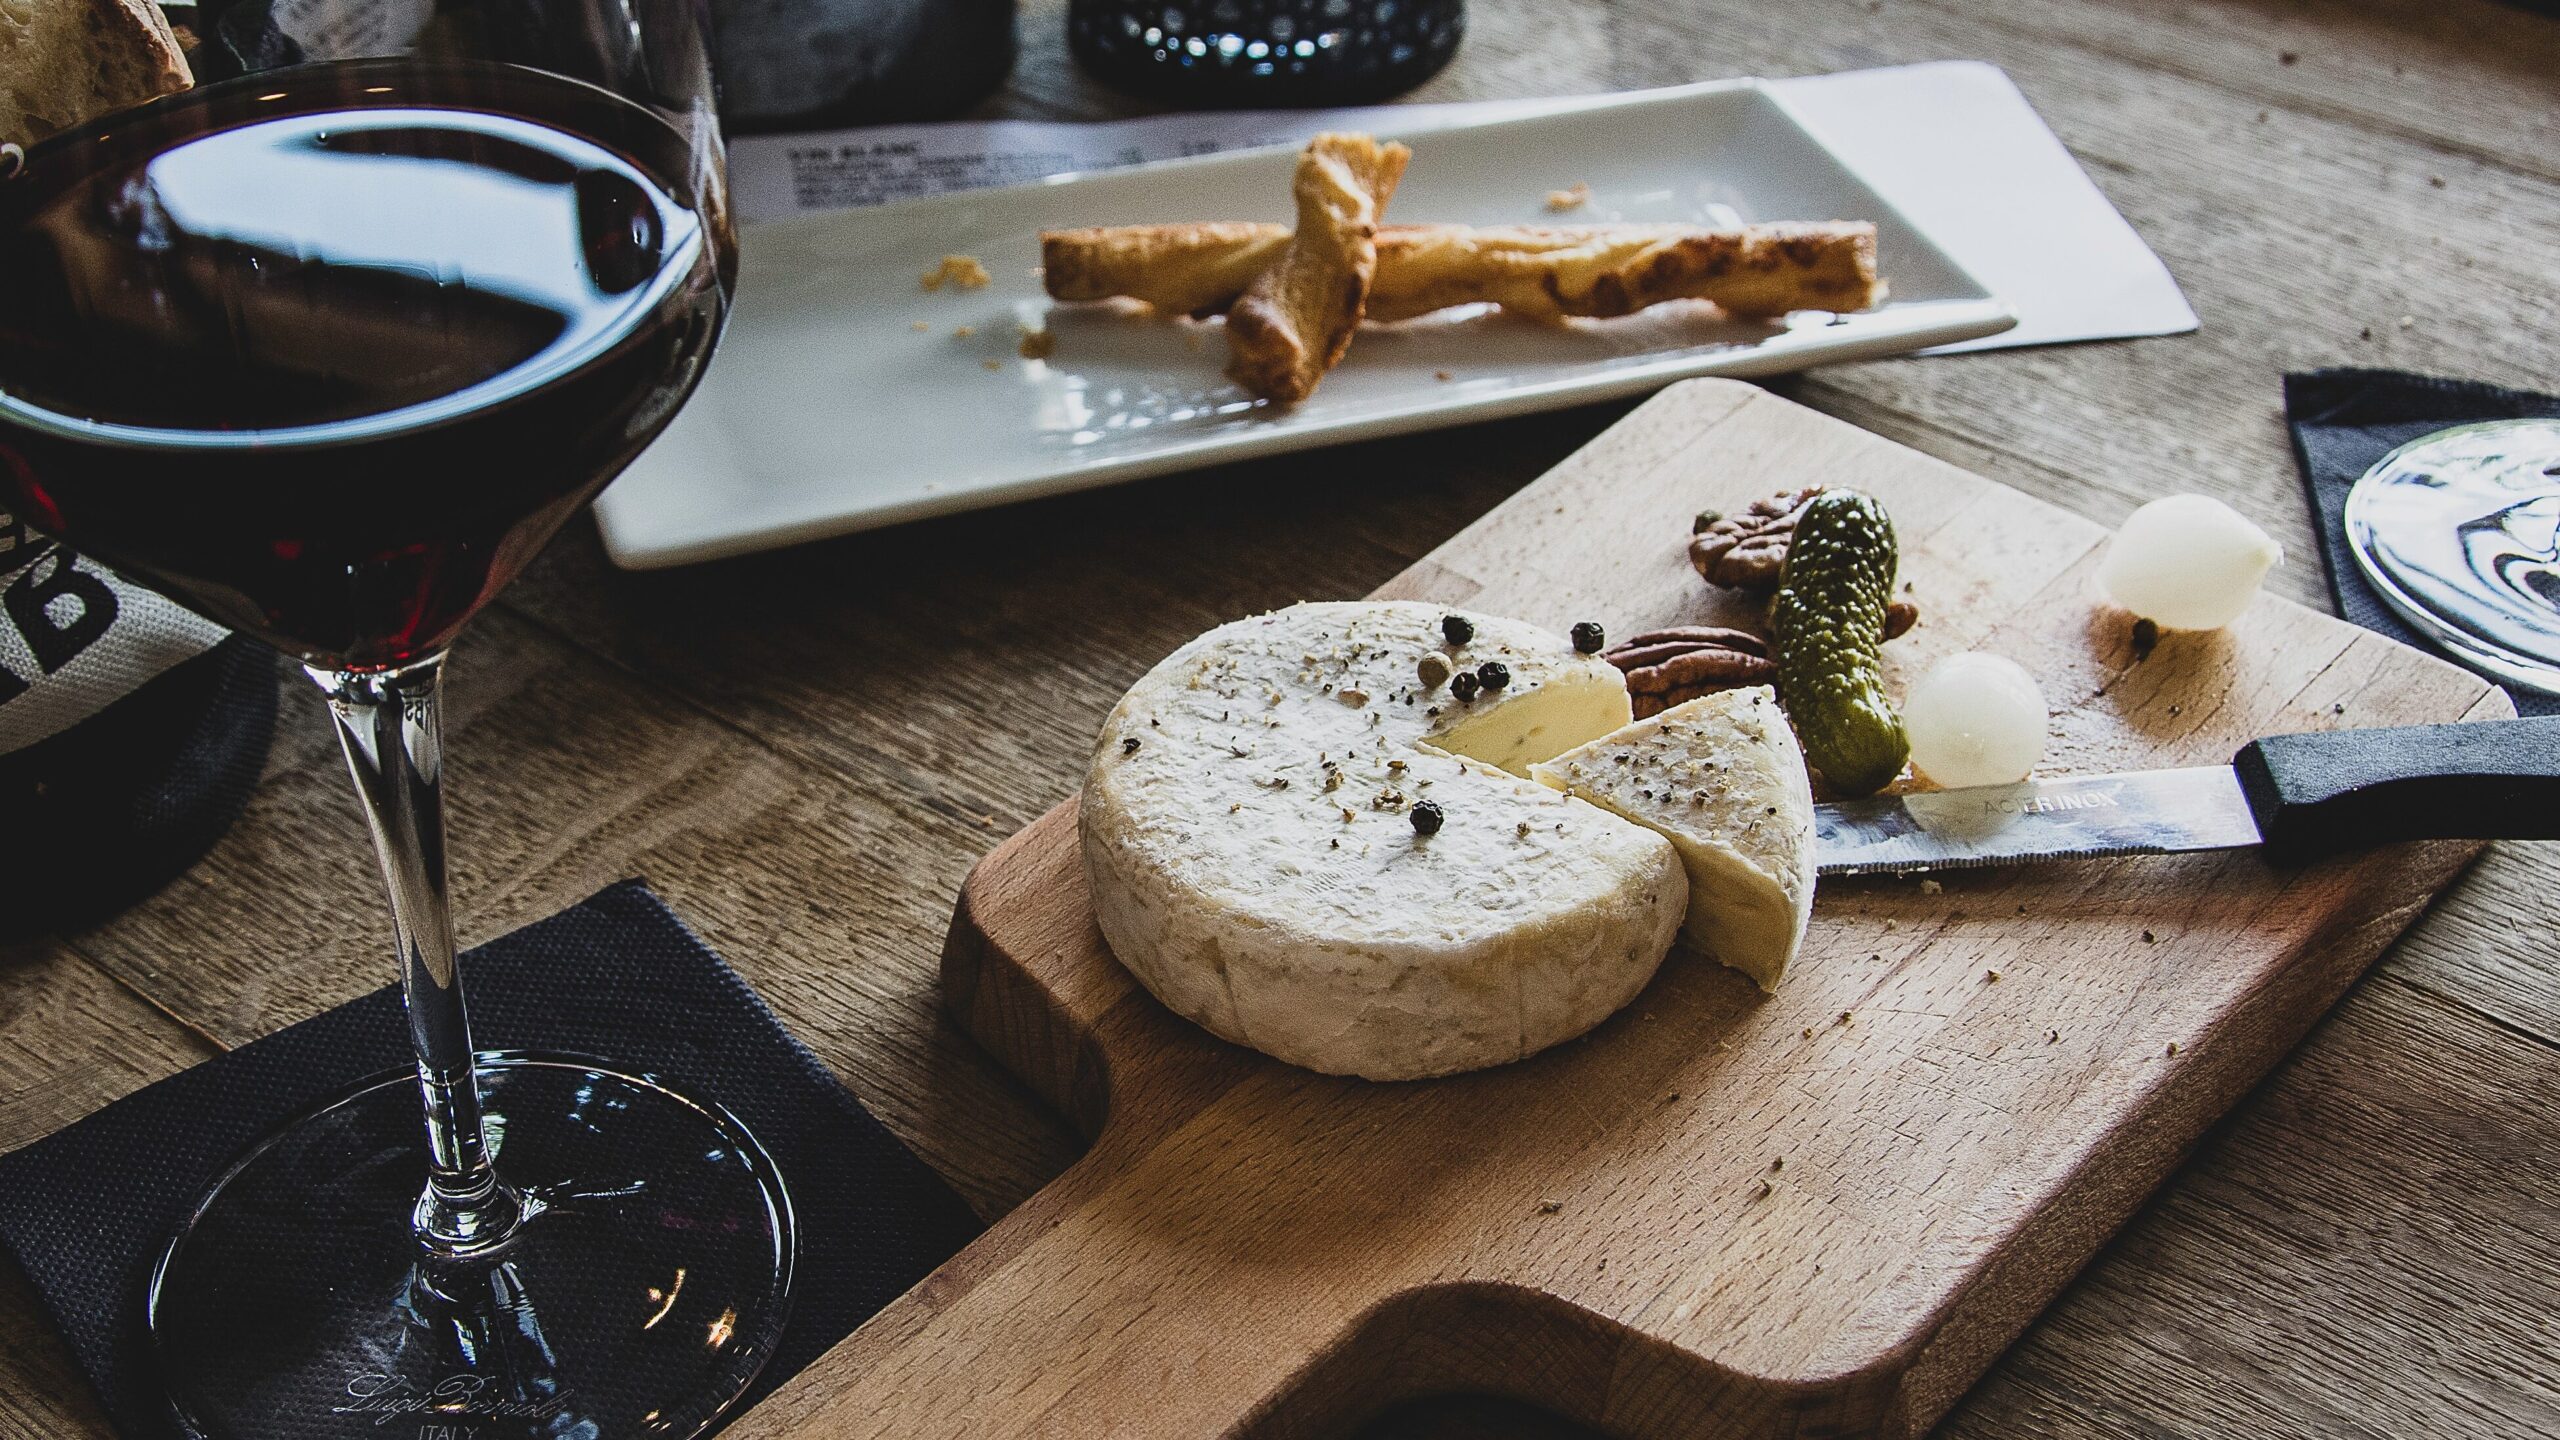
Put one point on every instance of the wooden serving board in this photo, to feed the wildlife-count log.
(1822, 1212)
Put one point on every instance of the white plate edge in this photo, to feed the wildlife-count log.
(1952, 321)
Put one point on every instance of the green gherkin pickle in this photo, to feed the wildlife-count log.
(1826, 630)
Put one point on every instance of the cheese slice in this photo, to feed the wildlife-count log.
(1723, 778)
(1248, 833)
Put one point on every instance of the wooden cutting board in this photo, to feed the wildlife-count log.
(1822, 1212)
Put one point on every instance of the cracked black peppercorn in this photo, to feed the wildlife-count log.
(1426, 818)
(1458, 628)
(1588, 637)
(1129, 746)
(1463, 685)
(1493, 674)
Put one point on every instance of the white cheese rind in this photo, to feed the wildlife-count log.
(1723, 777)
(1309, 919)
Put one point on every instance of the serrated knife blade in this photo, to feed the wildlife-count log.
(2153, 812)
(2300, 796)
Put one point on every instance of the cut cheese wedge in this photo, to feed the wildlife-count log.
(1723, 778)
(1249, 836)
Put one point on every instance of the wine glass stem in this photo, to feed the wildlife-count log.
(388, 723)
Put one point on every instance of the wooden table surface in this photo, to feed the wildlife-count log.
(804, 752)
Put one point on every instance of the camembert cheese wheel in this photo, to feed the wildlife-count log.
(1723, 777)
(1250, 832)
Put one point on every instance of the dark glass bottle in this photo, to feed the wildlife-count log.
(783, 64)
(1265, 52)
(117, 767)
(812, 64)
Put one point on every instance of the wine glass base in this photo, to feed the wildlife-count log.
(2459, 533)
(640, 1297)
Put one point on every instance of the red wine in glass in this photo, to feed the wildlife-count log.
(329, 353)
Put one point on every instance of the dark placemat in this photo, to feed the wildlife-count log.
(2343, 421)
(87, 1209)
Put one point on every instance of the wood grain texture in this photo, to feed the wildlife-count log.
(943, 679)
(71, 1040)
(796, 881)
(2180, 1304)
(1822, 1212)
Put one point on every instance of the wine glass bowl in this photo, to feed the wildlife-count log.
(327, 350)
(343, 426)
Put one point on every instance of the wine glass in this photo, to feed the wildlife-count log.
(2459, 532)
(326, 349)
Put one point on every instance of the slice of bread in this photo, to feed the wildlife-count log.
(65, 61)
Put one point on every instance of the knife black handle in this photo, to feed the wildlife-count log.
(2336, 790)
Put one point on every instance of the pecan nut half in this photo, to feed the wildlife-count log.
(1672, 666)
(1747, 551)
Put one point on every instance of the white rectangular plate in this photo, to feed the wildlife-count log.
(828, 411)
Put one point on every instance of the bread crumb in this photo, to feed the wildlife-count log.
(963, 332)
(991, 364)
(1442, 375)
(1572, 197)
(1037, 344)
(2173, 1047)
(1932, 887)
(962, 272)
(1550, 1207)
(1991, 977)
(919, 327)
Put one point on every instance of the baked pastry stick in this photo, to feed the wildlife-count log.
(1294, 321)
(1549, 272)
(1179, 269)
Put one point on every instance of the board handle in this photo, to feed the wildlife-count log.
(2331, 790)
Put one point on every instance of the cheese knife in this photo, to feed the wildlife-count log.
(2295, 796)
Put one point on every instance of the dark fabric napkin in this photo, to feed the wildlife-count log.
(86, 1210)
(2343, 421)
